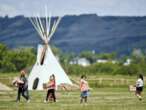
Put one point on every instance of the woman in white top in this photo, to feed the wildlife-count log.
(139, 86)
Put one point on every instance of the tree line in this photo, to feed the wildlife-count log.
(13, 60)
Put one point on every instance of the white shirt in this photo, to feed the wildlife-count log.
(139, 83)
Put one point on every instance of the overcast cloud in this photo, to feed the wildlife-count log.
(63, 7)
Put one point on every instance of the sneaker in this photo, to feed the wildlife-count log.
(56, 101)
(140, 98)
(28, 101)
(45, 101)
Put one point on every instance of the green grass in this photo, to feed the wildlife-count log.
(100, 99)
(103, 96)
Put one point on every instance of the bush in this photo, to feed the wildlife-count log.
(15, 60)
(105, 68)
(93, 69)
(126, 70)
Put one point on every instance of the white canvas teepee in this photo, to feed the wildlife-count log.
(46, 63)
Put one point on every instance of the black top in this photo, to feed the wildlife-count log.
(25, 84)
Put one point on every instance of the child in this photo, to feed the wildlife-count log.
(139, 86)
(84, 88)
(51, 89)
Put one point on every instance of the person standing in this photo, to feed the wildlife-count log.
(22, 83)
(84, 88)
(51, 89)
(139, 86)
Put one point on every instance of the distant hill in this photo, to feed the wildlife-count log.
(79, 33)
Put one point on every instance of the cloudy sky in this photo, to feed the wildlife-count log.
(63, 7)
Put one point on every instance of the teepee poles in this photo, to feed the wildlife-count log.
(49, 24)
(54, 27)
(45, 29)
(36, 27)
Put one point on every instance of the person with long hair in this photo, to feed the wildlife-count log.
(84, 88)
(22, 84)
(51, 86)
(139, 86)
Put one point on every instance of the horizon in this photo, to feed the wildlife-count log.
(82, 14)
(76, 7)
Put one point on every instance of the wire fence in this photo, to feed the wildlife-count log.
(94, 82)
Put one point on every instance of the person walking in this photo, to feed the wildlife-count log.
(51, 86)
(139, 86)
(22, 84)
(84, 88)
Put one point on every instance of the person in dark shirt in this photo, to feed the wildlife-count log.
(23, 87)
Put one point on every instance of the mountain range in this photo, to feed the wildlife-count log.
(76, 33)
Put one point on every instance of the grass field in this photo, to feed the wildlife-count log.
(115, 97)
(99, 99)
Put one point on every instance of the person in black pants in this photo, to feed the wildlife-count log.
(139, 86)
(51, 89)
(51, 95)
(23, 87)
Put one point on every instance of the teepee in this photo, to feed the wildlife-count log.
(46, 63)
